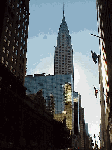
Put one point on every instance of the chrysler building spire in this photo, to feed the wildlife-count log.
(63, 57)
(63, 9)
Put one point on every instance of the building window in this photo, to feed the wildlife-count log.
(15, 30)
(23, 23)
(12, 6)
(19, 17)
(14, 39)
(11, 68)
(17, 5)
(25, 27)
(9, 33)
(13, 48)
(16, 52)
(18, 25)
(3, 49)
(23, 15)
(3, 60)
(21, 39)
(6, 28)
(15, 61)
(24, 43)
(20, 10)
(20, 56)
(8, 42)
(17, 13)
(23, 51)
(18, 34)
(21, 48)
(10, 24)
(6, 63)
(5, 39)
(22, 31)
(7, 19)
(17, 43)
(7, 53)
(21, 2)
(24, 35)
(26, 20)
(12, 58)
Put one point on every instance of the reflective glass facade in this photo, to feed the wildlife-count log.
(51, 84)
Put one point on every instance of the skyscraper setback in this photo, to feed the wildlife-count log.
(63, 57)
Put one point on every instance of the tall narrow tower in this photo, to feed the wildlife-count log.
(63, 57)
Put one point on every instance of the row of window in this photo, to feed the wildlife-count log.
(62, 50)
(23, 25)
(6, 64)
(63, 61)
(8, 42)
(10, 22)
(18, 5)
(15, 51)
(63, 55)
(12, 59)
(15, 28)
(63, 70)
(69, 67)
(57, 59)
(19, 32)
(23, 17)
(5, 40)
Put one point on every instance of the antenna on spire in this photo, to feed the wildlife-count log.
(63, 9)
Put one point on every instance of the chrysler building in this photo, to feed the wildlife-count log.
(63, 56)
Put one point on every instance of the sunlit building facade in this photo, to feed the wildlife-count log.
(76, 112)
(61, 87)
(104, 18)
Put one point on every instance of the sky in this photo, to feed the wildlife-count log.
(81, 17)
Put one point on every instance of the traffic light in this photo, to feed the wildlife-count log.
(96, 91)
(94, 56)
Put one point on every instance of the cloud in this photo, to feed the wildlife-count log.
(46, 65)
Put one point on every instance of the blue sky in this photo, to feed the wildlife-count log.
(81, 17)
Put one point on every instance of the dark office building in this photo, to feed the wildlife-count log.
(14, 15)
